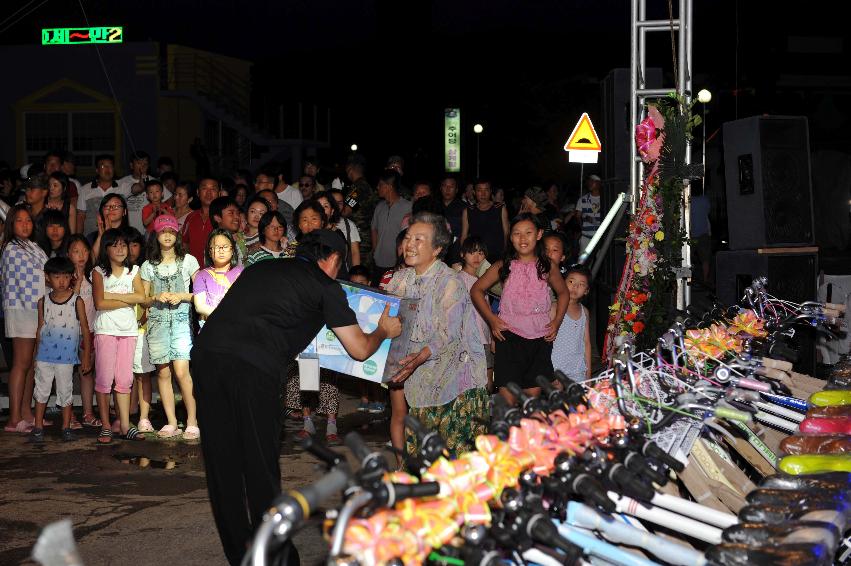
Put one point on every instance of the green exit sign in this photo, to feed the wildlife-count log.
(76, 36)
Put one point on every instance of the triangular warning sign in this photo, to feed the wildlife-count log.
(583, 138)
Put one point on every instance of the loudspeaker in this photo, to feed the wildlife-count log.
(769, 192)
(791, 276)
(616, 132)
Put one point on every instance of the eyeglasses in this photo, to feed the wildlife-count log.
(113, 207)
(225, 248)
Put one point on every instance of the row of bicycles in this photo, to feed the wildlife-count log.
(709, 449)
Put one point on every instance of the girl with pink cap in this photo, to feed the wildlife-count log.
(167, 275)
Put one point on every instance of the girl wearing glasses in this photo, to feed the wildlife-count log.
(272, 239)
(212, 283)
(112, 213)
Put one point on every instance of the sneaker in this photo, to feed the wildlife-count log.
(36, 436)
(363, 407)
(68, 435)
(376, 408)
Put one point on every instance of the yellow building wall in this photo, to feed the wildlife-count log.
(180, 122)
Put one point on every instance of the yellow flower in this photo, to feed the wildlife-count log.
(660, 235)
(636, 268)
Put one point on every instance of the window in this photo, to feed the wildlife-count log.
(86, 134)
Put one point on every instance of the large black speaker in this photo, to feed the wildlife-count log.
(791, 276)
(617, 132)
(769, 193)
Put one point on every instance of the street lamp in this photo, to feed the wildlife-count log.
(354, 147)
(704, 97)
(478, 129)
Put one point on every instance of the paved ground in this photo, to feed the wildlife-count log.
(143, 503)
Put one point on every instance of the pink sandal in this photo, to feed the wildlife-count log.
(92, 421)
(191, 433)
(169, 431)
(23, 427)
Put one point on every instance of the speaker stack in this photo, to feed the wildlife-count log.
(769, 211)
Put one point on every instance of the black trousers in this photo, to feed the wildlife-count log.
(239, 415)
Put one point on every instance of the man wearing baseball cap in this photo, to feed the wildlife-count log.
(590, 210)
(266, 319)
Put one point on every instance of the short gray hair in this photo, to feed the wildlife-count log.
(442, 238)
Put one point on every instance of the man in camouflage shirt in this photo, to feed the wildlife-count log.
(360, 197)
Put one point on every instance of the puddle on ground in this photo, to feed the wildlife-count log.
(145, 462)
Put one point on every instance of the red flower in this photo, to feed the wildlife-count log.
(650, 219)
(638, 327)
(640, 298)
(629, 316)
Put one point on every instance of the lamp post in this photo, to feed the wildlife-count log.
(704, 97)
(478, 129)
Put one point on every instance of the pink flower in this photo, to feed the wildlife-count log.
(645, 135)
(652, 153)
(656, 116)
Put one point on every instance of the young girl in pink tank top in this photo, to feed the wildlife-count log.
(524, 330)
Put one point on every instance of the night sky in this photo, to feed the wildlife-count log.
(526, 70)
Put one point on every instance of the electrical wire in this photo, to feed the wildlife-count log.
(12, 15)
(22, 16)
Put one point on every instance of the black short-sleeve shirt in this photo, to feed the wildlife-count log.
(272, 311)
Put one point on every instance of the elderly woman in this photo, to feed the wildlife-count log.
(445, 373)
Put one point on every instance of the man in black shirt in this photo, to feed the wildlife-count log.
(269, 315)
(453, 210)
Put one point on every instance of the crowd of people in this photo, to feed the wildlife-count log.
(109, 281)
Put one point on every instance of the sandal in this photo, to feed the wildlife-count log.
(145, 426)
(44, 422)
(75, 424)
(169, 431)
(132, 434)
(191, 433)
(91, 421)
(22, 426)
(105, 436)
(332, 439)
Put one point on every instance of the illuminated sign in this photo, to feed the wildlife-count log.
(81, 36)
(452, 139)
(583, 145)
